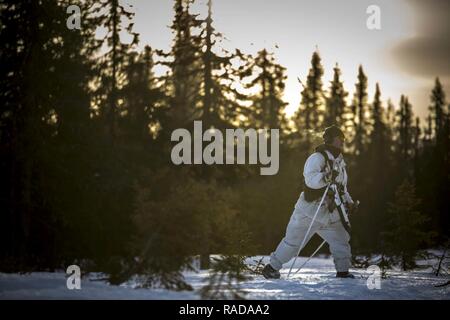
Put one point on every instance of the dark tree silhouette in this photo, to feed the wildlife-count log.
(309, 115)
(111, 16)
(335, 102)
(266, 105)
(359, 107)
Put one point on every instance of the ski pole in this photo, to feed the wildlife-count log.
(310, 257)
(309, 228)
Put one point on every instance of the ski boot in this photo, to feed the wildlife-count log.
(344, 274)
(270, 273)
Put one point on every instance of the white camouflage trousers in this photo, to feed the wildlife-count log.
(328, 227)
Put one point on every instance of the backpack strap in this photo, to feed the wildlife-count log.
(328, 161)
(343, 216)
(315, 194)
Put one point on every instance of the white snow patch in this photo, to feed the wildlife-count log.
(316, 281)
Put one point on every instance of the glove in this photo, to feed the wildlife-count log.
(330, 176)
(352, 207)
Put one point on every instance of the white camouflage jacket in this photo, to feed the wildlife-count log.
(315, 172)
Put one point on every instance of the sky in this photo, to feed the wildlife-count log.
(405, 55)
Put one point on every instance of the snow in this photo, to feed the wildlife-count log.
(316, 281)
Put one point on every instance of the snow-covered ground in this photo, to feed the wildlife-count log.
(316, 281)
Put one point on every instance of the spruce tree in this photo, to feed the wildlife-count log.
(140, 94)
(378, 169)
(112, 16)
(405, 129)
(359, 108)
(220, 98)
(183, 82)
(44, 124)
(436, 176)
(266, 105)
(309, 115)
(335, 103)
(406, 235)
(417, 132)
(437, 110)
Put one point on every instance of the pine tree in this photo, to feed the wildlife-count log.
(378, 144)
(173, 223)
(335, 103)
(359, 108)
(140, 94)
(267, 105)
(309, 115)
(76, 63)
(416, 141)
(406, 235)
(209, 111)
(405, 131)
(441, 120)
(429, 129)
(360, 164)
(183, 82)
(376, 171)
(435, 175)
(377, 116)
(43, 127)
(390, 113)
(202, 74)
(220, 99)
(437, 109)
(111, 15)
(390, 117)
(26, 49)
